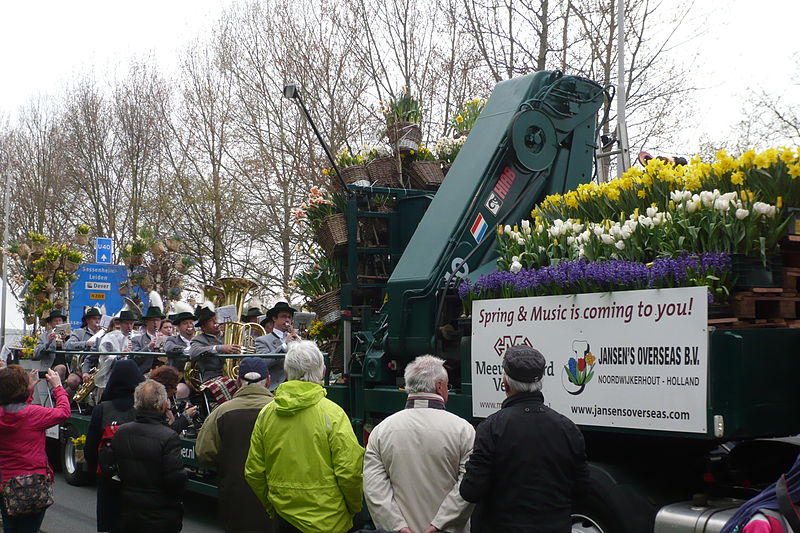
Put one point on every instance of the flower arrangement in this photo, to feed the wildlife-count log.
(581, 276)
(371, 152)
(82, 229)
(320, 278)
(447, 149)
(320, 332)
(79, 442)
(319, 205)
(467, 115)
(345, 159)
(422, 153)
(37, 238)
(28, 346)
(402, 107)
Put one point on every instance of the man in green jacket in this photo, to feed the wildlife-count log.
(304, 462)
(224, 442)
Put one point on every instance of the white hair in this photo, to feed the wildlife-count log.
(423, 373)
(150, 395)
(304, 362)
(521, 386)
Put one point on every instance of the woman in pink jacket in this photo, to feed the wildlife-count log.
(22, 434)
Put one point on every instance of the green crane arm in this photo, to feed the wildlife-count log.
(535, 136)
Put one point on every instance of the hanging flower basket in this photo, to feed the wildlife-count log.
(24, 251)
(405, 136)
(37, 248)
(81, 239)
(135, 260)
(176, 283)
(350, 175)
(385, 172)
(173, 244)
(70, 266)
(30, 319)
(328, 306)
(158, 248)
(332, 233)
(181, 267)
(426, 175)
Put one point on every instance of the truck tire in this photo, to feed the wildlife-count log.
(75, 473)
(610, 507)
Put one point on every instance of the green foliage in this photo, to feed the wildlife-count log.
(403, 107)
(321, 277)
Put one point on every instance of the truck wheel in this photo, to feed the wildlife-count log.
(75, 473)
(610, 507)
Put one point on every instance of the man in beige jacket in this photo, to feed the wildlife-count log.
(415, 458)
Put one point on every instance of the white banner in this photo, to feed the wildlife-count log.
(629, 359)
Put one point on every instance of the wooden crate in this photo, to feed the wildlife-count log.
(766, 304)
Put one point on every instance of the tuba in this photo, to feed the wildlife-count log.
(235, 291)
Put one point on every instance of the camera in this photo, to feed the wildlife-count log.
(42, 374)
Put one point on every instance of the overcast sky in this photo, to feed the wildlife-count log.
(44, 43)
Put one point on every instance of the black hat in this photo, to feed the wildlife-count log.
(183, 311)
(267, 319)
(253, 369)
(524, 364)
(126, 314)
(89, 312)
(279, 307)
(153, 312)
(253, 311)
(55, 313)
(203, 314)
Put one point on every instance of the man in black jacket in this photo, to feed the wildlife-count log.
(529, 462)
(148, 455)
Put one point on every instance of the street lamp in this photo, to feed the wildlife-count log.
(292, 91)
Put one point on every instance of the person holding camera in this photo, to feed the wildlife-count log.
(23, 461)
(179, 418)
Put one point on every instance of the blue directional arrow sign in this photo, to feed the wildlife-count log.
(103, 250)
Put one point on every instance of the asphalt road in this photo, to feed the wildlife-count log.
(74, 511)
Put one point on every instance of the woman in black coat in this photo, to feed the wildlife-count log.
(115, 409)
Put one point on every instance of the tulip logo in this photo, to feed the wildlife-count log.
(579, 370)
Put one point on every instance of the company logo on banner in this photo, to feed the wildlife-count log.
(630, 359)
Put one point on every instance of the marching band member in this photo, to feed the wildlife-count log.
(177, 346)
(253, 312)
(84, 339)
(208, 344)
(49, 341)
(149, 339)
(277, 340)
(114, 343)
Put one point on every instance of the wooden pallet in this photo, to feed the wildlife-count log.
(757, 323)
(765, 303)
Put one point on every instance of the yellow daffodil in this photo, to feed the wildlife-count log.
(737, 178)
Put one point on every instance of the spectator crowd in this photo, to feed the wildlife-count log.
(288, 459)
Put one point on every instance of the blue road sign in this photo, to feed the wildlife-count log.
(103, 250)
(98, 284)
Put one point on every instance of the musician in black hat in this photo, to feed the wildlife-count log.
(277, 340)
(177, 346)
(206, 346)
(49, 341)
(529, 462)
(149, 340)
(85, 338)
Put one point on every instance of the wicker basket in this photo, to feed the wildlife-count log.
(385, 172)
(350, 175)
(332, 233)
(328, 306)
(404, 135)
(81, 239)
(426, 174)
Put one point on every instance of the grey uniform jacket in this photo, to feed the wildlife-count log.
(177, 350)
(77, 342)
(44, 351)
(139, 344)
(271, 343)
(201, 351)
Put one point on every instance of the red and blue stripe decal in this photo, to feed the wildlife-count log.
(479, 228)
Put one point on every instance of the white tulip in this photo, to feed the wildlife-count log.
(651, 211)
(526, 225)
(570, 240)
(577, 228)
(516, 266)
(598, 230)
(507, 229)
(539, 229)
(620, 245)
(514, 259)
(676, 196)
(625, 234)
(717, 194)
(521, 241)
(692, 206)
(707, 198)
(687, 195)
(607, 239)
(741, 214)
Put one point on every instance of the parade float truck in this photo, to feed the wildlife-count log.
(683, 417)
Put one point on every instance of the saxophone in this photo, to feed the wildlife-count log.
(87, 387)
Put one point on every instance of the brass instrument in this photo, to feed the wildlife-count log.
(235, 291)
(191, 375)
(86, 387)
